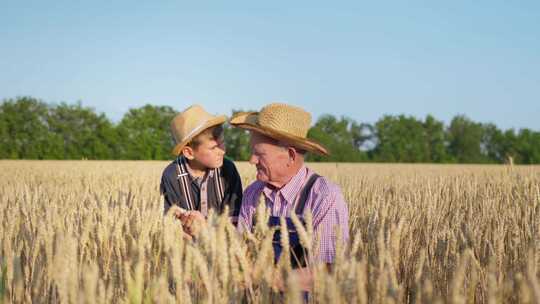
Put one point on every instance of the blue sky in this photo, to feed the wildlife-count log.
(361, 60)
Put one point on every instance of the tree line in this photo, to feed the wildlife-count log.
(33, 129)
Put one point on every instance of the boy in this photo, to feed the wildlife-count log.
(200, 178)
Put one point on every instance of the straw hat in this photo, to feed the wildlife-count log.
(281, 122)
(190, 123)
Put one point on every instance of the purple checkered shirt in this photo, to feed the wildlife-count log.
(325, 201)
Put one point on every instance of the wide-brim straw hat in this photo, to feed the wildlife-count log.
(190, 123)
(282, 122)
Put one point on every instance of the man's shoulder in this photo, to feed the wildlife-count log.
(326, 195)
(324, 182)
(324, 186)
(254, 188)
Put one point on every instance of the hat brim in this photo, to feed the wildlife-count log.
(248, 121)
(208, 124)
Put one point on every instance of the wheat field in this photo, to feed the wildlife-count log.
(93, 232)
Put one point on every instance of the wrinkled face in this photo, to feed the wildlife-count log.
(269, 158)
(209, 151)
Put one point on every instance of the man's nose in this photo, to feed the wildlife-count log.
(252, 159)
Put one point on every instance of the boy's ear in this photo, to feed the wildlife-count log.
(187, 151)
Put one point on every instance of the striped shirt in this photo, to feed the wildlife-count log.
(204, 191)
(325, 202)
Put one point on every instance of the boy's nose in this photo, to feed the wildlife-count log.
(221, 145)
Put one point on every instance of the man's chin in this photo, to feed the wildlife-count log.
(262, 177)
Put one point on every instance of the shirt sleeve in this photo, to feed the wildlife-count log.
(233, 195)
(330, 222)
(167, 189)
(245, 218)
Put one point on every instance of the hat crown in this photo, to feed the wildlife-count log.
(188, 122)
(282, 122)
(285, 118)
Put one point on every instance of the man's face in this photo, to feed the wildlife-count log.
(210, 152)
(269, 159)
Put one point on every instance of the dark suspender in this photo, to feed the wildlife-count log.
(182, 175)
(183, 180)
(218, 183)
(301, 203)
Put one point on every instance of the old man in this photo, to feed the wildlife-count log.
(279, 143)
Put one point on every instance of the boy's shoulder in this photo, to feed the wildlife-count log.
(228, 170)
(228, 165)
(170, 169)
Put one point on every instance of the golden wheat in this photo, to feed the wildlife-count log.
(94, 232)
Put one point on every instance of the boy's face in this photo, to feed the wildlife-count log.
(210, 150)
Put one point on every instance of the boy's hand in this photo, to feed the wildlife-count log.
(176, 211)
(192, 222)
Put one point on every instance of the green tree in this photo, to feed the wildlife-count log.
(493, 144)
(363, 135)
(144, 133)
(401, 139)
(528, 146)
(82, 133)
(337, 137)
(465, 140)
(32, 129)
(4, 135)
(24, 129)
(436, 140)
(237, 141)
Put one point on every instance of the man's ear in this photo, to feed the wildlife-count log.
(292, 154)
(187, 151)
